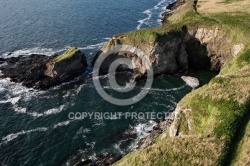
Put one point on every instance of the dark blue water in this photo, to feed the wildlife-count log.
(48, 26)
(34, 126)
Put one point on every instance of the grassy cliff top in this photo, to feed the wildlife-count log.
(233, 19)
(68, 54)
(219, 112)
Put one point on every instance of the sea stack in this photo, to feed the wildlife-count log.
(41, 71)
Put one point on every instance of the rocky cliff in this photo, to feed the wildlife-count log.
(185, 49)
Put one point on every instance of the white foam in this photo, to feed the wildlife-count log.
(13, 136)
(13, 100)
(166, 90)
(65, 123)
(91, 144)
(78, 90)
(93, 157)
(29, 51)
(20, 110)
(100, 76)
(142, 130)
(48, 51)
(54, 110)
(117, 146)
(107, 38)
(82, 130)
(16, 89)
(93, 46)
(148, 12)
(68, 94)
(156, 10)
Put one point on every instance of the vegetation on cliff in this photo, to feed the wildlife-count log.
(212, 122)
(68, 54)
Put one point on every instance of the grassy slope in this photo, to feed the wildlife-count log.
(68, 54)
(219, 110)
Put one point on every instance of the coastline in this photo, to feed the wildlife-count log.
(172, 7)
(166, 122)
(162, 124)
(206, 121)
(209, 125)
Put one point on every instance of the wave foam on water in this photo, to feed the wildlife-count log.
(49, 51)
(17, 92)
(29, 51)
(14, 92)
(65, 123)
(166, 90)
(13, 136)
(52, 111)
(145, 20)
(93, 46)
(142, 130)
(156, 10)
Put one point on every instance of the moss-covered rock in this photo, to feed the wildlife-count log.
(42, 72)
(69, 64)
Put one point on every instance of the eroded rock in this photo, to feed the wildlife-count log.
(42, 72)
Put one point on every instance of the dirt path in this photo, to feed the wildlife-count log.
(216, 6)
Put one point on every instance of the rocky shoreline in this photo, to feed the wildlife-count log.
(42, 72)
(172, 7)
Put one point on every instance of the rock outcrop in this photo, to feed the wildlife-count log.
(185, 50)
(42, 72)
(171, 8)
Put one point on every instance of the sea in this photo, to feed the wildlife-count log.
(35, 128)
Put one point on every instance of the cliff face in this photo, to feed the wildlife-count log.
(68, 65)
(197, 48)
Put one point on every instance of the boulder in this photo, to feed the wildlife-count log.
(191, 81)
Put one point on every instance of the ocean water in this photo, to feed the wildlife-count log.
(34, 125)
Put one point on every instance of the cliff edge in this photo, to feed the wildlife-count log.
(211, 124)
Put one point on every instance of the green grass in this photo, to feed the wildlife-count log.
(240, 62)
(235, 25)
(241, 155)
(244, 58)
(66, 55)
(224, 116)
(178, 151)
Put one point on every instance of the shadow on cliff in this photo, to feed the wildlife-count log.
(179, 51)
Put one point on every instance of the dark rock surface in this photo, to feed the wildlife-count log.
(157, 130)
(35, 71)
